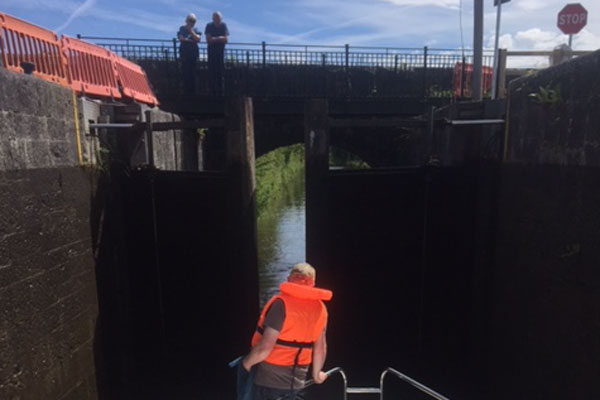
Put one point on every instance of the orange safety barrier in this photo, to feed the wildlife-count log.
(91, 68)
(457, 79)
(21, 41)
(134, 82)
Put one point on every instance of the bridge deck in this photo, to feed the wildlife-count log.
(206, 106)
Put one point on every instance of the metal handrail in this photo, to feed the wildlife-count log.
(432, 393)
(336, 370)
(304, 47)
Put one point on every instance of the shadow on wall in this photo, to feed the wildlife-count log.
(112, 341)
(169, 288)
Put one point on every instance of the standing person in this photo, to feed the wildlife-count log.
(290, 335)
(189, 37)
(217, 36)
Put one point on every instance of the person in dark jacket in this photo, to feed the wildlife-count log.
(217, 36)
(189, 37)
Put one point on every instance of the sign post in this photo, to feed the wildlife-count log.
(572, 19)
(498, 5)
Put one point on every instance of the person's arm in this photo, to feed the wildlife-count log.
(225, 38)
(194, 35)
(217, 39)
(208, 35)
(262, 348)
(319, 355)
(181, 35)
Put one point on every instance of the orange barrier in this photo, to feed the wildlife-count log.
(21, 41)
(134, 82)
(457, 79)
(91, 68)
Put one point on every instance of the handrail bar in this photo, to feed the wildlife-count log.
(288, 45)
(336, 370)
(544, 53)
(409, 380)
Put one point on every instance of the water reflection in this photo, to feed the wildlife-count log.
(281, 237)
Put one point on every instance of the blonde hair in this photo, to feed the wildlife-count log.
(303, 273)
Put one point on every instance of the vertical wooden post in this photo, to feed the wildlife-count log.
(425, 56)
(149, 139)
(316, 139)
(502, 55)
(240, 170)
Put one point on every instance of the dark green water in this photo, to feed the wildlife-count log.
(281, 236)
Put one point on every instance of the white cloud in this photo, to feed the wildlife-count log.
(506, 41)
(526, 24)
(425, 3)
(530, 5)
(79, 11)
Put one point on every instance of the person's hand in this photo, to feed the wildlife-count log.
(320, 377)
(245, 365)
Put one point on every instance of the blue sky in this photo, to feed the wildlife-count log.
(527, 24)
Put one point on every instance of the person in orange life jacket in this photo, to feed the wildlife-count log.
(290, 335)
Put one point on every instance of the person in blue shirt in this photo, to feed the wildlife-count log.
(189, 37)
(217, 35)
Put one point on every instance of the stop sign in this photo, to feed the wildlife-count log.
(572, 19)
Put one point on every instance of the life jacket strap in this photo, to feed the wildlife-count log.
(288, 343)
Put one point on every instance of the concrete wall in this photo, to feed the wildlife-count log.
(47, 280)
(563, 126)
(66, 329)
(36, 124)
(545, 292)
(173, 150)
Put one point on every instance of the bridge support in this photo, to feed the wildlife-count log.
(239, 165)
(316, 139)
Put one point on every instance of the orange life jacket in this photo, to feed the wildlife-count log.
(305, 318)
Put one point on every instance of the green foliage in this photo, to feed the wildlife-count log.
(273, 171)
(548, 96)
(339, 158)
(437, 92)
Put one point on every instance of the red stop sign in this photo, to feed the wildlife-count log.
(572, 19)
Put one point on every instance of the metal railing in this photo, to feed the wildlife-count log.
(264, 69)
(256, 54)
(378, 390)
(430, 392)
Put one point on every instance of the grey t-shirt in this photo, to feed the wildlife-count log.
(277, 376)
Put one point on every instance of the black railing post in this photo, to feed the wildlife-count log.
(425, 54)
(325, 80)
(247, 75)
(264, 69)
(347, 56)
(396, 63)
(463, 78)
(174, 49)
(347, 70)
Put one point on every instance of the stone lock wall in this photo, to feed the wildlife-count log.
(545, 291)
(47, 279)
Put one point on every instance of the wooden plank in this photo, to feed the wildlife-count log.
(374, 122)
(183, 125)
